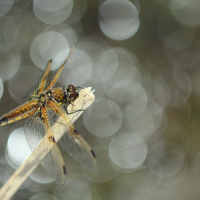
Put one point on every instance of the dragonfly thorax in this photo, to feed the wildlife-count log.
(42, 98)
(45, 97)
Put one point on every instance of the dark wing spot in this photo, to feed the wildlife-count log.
(53, 139)
(75, 131)
(93, 153)
(64, 170)
(3, 120)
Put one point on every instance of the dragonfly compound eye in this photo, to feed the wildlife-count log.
(71, 93)
(73, 96)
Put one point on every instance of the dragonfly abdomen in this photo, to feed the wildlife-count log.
(20, 113)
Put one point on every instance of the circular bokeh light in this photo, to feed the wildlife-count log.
(118, 19)
(103, 118)
(128, 151)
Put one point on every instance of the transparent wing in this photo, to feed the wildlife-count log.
(71, 141)
(36, 130)
(52, 81)
(54, 164)
(57, 73)
(78, 149)
(34, 90)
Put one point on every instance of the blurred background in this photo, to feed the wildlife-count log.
(142, 60)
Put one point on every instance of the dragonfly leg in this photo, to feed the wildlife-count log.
(81, 87)
(65, 107)
(75, 112)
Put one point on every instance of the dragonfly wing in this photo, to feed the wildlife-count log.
(71, 141)
(78, 149)
(57, 73)
(30, 94)
(36, 130)
(54, 164)
(34, 90)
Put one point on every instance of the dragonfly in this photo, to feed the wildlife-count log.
(43, 106)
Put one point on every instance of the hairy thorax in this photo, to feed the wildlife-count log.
(53, 94)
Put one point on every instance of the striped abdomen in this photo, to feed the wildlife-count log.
(20, 112)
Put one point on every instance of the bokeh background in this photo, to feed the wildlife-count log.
(142, 60)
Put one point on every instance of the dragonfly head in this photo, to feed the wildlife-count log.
(71, 93)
